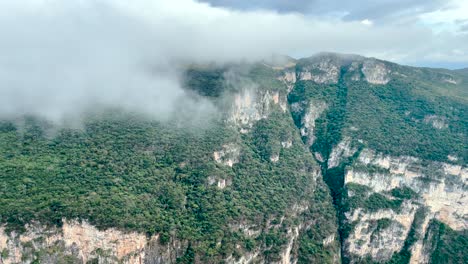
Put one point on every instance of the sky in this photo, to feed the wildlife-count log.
(59, 58)
(440, 25)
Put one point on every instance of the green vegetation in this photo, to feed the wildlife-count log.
(378, 201)
(126, 171)
(380, 225)
(360, 196)
(404, 193)
(391, 118)
(395, 119)
(449, 245)
(311, 248)
(383, 223)
(392, 121)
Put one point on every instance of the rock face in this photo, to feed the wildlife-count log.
(250, 106)
(314, 111)
(342, 150)
(440, 191)
(76, 242)
(436, 121)
(324, 71)
(366, 238)
(376, 72)
(228, 155)
(289, 78)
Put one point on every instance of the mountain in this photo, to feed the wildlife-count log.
(462, 71)
(328, 159)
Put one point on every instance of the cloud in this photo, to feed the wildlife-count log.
(62, 57)
(367, 22)
(349, 10)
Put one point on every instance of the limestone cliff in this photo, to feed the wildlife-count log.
(80, 242)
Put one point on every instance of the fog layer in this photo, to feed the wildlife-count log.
(60, 58)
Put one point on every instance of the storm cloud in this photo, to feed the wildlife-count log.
(63, 57)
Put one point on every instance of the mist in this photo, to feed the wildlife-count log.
(61, 58)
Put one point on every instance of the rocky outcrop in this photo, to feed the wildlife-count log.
(375, 72)
(219, 182)
(440, 189)
(323, 71)
(287, 256)
(288, 78)
(314, 111)
(368, 240)
(228, 155)
(250, 106)
(286, 144)
(450, 80)
(341, 151)
(436, 121)
(75, 241)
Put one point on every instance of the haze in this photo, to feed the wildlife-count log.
(60, 58)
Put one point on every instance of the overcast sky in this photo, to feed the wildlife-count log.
(441, 26)
(60, 56)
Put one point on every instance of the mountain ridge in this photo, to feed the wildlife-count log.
(330, 160)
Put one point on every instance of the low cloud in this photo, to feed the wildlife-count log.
(382, 11)
(61, 58)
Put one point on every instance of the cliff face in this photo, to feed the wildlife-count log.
(72, 242)
(434, 191)
(391, 191)
(254, 186)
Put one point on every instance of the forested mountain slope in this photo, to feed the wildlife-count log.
(392, 143)
(327, 159)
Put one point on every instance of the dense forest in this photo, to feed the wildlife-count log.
(129, 171)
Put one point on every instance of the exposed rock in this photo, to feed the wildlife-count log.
(287, 65)
(274, 158)
(449, 80)
(355, 69)
(220, 183)
(444, 196)
(286, 256)
(340, 151)
(244, 259)
(324, 71)
(366, 240)
(436, 121)
(420, 251)
(79, 241)
(328, 240)
(375, 72)
(249, 230)
(315, 109)
(441, 190)
(250, 106)
(452, 158)
(318, 156)
(297, 209)
(289, 78)
(286, 144)
(228, 155)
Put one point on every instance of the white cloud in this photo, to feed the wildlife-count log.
(367, 22)
(446, 19)
(62, 56)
